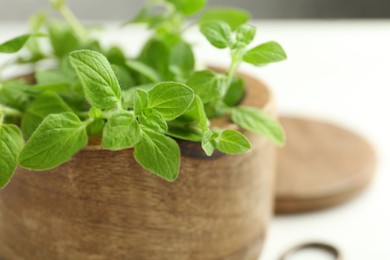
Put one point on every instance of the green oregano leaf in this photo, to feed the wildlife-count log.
(55, 141)
(265, 53)
(235, 92)
(182, 60)
(153, 120)
(15, 44)
(11, 143)
(129, 95)
(233, 142)
(95, 113)
(188, 7)
(216, 108)
(44, 105)
(207, 84)
(208, 142)
(144, 70)
(156, 54)
(257, 121)
(52, 77)
(187, 133)
(116, 56)
(159, 154)
(218, 33)
(245, 34)
(13, 94)
(192, 124)
(125, 79)
(171, 99)
(122, 131)
(141, 102)
(64, 89)
(99, 82)
(233, 16)
(66, 69)
(202, 121)
(97, 126)
(63, 38)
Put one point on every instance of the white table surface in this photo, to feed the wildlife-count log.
(338, 71)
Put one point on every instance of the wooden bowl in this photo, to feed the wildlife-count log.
(103, 205)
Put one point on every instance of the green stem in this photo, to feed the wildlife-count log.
(77, 26)
(233, 68)
(232, 72)
(88, 121)
(106, 115)
(119, 105)
(10, 111)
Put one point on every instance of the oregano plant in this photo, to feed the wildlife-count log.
(145, 103)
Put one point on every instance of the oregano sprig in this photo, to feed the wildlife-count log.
(221, 35)
(142, 127)
(142, 103)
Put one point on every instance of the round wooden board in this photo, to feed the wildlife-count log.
(321, 166)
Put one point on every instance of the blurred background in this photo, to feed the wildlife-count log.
(122, 9)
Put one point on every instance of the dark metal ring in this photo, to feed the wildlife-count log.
(316, 245)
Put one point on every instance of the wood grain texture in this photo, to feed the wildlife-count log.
(102, 205)
(321, 166)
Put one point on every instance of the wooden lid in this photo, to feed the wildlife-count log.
(321, 166)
